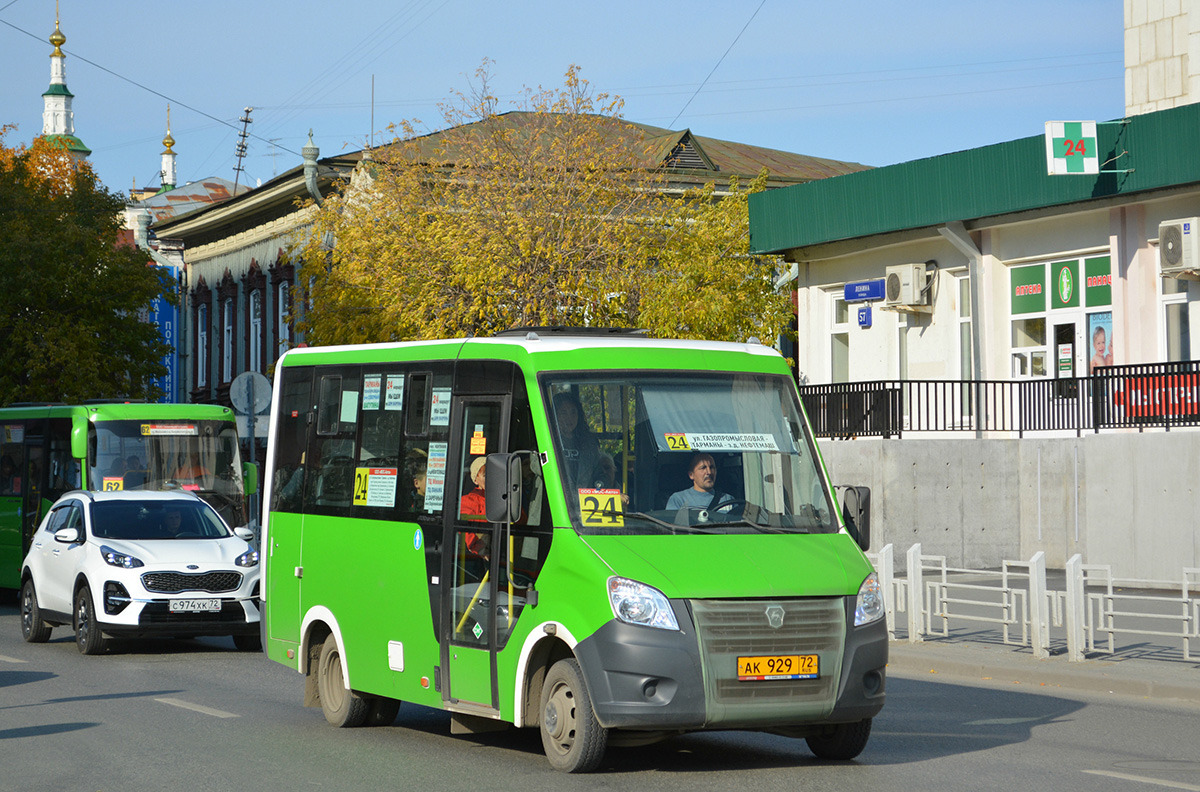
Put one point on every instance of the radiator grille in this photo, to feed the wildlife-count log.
(728, 629)
(177, 582)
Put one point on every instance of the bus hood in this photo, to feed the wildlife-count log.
(707, 567)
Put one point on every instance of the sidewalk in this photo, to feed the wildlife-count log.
(1001, 664)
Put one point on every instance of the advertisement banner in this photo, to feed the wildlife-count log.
(166, 317)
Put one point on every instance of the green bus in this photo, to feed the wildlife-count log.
(48, 449)
(603, 536)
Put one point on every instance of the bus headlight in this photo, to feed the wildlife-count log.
(870, 601)
(637, 603)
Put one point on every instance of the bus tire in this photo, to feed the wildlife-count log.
(343, 707)
(841, 742)
(382, 711)
(88, 637)
(33, 629)
(573, 739)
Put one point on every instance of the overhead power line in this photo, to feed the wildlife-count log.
(173, 100)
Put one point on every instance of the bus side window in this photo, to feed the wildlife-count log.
(331, 458)
(295, 412)
(417, 396)
(379, 477)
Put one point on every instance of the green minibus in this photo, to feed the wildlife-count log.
(606, 537)
(48, 449)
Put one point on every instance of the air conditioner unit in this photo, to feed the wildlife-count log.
(1179, 248)
(905, 285)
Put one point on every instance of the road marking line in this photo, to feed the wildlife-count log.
(7, 659)
(1157, 781)
(216, 713)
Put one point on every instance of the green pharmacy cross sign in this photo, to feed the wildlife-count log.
(1071, 148)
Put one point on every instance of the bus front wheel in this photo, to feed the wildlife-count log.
(342, 707)
(573, 739)
(843, 741)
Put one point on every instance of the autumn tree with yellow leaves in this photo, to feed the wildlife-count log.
(555, 215)
(71, 296)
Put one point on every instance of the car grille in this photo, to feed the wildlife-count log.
(728, 629)
(176, 582)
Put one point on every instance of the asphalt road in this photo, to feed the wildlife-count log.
(197, 715)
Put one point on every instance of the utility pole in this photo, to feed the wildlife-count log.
(241, 147)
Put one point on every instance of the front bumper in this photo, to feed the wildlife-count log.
(649, 679)
(125, 607)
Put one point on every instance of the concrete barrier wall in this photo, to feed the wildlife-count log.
(1131, 501)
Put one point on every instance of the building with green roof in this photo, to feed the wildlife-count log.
(981, 265)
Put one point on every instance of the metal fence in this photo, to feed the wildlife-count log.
(1160, 395)
(1089, 612)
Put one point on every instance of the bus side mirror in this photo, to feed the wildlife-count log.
(502, 487)
(79, 441)
(250, 477)
(856, 513)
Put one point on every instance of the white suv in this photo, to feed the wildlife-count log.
(136, 563)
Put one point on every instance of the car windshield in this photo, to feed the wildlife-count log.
(686, 452)
(157, 519)
(199, 456)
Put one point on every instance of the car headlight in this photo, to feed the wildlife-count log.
(118, 559)
(870, 601)
(247, 559)
(637, 603)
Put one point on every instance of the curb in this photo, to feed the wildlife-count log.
(1127, 679)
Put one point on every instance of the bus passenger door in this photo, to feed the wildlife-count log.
(468, 632)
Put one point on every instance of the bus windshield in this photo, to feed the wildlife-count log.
(686, 452)
(197, 455)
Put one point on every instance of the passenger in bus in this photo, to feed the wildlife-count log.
(474, 504)
(191, 468)
(135, 471)
(703, 494)
(580, 447)
(10, 482)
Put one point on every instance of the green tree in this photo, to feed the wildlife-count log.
(557, 214)
(71, 296)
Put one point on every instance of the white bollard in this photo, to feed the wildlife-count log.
(1038, 612)
(1076, 603)
(916, 596)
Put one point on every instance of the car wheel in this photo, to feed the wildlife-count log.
(88, 637)
(843, 741)
(247, 643)
(573, 739)
(33, 629)
(343, 708)
(382, 711)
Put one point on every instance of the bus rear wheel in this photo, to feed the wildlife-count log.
(573, 739)
(343, 707)
(843, 741)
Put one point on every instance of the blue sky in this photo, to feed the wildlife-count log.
(869, 81)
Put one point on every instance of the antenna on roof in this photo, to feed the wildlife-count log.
(241, 147)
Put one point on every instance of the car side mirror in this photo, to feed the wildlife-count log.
(856, 513)
(243, 532)
(68, 536)
(502, 487)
